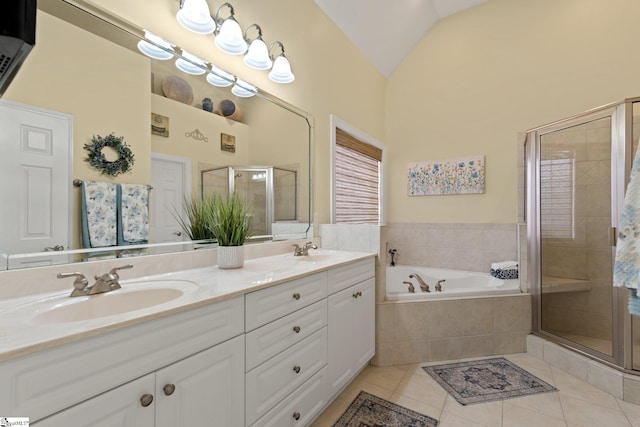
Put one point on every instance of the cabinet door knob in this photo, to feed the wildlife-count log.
(169, 389)
(296, 329)
(296, 416)
(146, 400)
(355, 295)
(296, 369)
(296, 296)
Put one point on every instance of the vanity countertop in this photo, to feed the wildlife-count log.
(20, 334)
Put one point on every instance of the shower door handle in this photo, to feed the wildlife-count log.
(613, 236)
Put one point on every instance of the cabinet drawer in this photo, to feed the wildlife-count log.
(301, 407)
(269, 340)
(271, 382)
(342, 277)
(269, 304)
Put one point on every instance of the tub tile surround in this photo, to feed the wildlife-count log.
(409, 332)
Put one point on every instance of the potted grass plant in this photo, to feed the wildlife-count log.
(196, 219)
(230, 224)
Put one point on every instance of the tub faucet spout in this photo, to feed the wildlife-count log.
(423, 285)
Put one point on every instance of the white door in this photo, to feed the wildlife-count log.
(171, 180)
(341, 339)
(206, 389)
(364, 320)
(35, 153)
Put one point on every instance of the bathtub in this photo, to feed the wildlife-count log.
(456, 284)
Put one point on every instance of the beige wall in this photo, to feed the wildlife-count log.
(480, 76)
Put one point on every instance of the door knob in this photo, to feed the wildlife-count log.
(177, 233)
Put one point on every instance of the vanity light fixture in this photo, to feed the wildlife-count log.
(257, 55)
(191, 64)
(228, 33)
(195, 16)
(281, 71)
(243, 89)
(156, 47)
(219, 78)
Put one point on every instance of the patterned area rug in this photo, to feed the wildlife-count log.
(367, 410)
(486, 380)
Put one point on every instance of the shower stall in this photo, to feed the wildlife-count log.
(575, 174)
(271, 190)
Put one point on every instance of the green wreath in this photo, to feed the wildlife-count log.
(97, 159)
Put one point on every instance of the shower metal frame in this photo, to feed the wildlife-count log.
(621, 114)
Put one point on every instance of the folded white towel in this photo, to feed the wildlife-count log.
(504, 265)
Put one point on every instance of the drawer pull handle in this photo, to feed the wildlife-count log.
(296, 296)
(357, 294)
(169, 389)
(296, 329)
(146, 400)
(296, 416)
(296, 369)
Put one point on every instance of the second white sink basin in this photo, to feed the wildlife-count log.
(131, 297)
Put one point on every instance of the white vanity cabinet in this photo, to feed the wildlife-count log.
(172, 347)
(351, 322)
(206, 389)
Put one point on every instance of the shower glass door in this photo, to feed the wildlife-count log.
(575, 210)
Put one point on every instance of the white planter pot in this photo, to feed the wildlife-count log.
(230, 257)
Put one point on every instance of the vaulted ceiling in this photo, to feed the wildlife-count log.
(386, 31)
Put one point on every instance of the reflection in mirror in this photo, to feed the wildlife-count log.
(101, 83)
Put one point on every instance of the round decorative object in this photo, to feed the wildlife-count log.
(97, 159)
(229, 109)
(178, 89)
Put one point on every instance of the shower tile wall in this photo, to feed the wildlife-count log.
(588, 256)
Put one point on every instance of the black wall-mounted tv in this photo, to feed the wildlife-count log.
(17, 37)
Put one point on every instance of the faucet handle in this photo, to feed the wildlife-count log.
(80, 282)
(80, 285)
(114, 270)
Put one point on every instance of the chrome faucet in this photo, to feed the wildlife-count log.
(105, 283)
(304, 250)
(439, 285)
(423, 285)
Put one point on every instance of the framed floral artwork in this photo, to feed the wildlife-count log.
(463, 175)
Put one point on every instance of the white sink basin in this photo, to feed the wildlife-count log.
(131, 297)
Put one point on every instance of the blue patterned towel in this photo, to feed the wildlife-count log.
(627, 266)
(133, 221)
(98, 214)
(634, 303)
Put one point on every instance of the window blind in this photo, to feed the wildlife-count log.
(557, 198)
(357, 180)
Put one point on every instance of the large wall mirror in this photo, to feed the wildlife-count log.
(87, 67)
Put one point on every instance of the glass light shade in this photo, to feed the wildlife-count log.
(195, 16)
(229, 39)
(217, 78)
(258, 55)
(191, 64)
(243, 89)
(281, 71)
(154, 47)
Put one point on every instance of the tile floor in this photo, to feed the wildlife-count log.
(577, 403)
